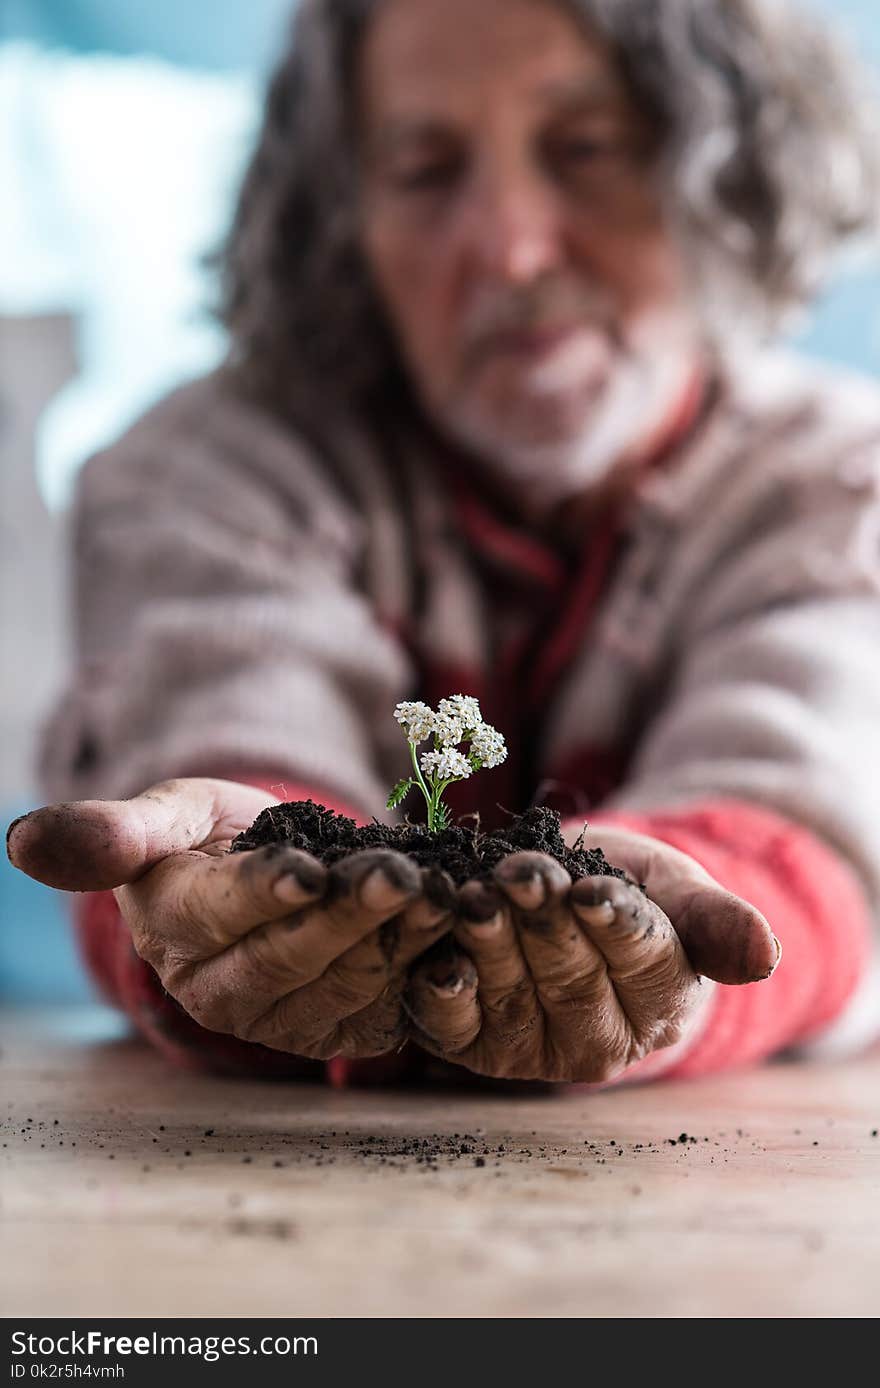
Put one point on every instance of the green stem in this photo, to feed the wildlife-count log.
(432, 806)
(421, 780)
(433, 795)
(438, 791)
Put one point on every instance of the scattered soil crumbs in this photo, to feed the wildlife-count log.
(429, 1152)
(463, 852)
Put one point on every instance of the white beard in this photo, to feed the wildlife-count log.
(545, 473)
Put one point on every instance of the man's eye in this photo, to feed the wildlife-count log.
(581, 151)
(426, 176)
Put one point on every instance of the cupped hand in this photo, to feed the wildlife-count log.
(268, 945)
(553, 980)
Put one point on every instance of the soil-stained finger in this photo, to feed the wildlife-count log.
(569, 974)
(442, 1004)
(393, 946)
(94, 845)
(530, 879)
(245, 981)
(192, 905)
(725, 937)
(354, 1007)
(506, 990)
(645, 959)
(363, 890)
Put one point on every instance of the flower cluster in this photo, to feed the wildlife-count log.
(447, 764)
(417, 720)
(456, 719)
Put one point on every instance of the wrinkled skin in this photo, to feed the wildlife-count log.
(558, 983)
(512, 220)
(555, 980)
(269, 946)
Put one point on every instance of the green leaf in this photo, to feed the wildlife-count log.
(441, 816)
(400, 790)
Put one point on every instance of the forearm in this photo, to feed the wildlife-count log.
(815, 906)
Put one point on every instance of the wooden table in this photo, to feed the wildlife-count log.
(132, 1188)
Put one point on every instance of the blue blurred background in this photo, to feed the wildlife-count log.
(124, 127)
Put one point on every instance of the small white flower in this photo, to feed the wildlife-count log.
(416, 718)
(448, 728)
(446, 764)
(463, 707)
(457, 719)
(489, 745)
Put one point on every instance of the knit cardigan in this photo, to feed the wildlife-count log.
(698, 660)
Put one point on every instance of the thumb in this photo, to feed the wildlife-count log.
(93, 845)
(726, 938)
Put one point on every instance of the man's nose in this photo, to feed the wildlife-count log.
(511, 227)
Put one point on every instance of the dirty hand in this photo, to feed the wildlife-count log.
(268, 944)
(552, 980)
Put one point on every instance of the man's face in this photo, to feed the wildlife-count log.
(511, 225)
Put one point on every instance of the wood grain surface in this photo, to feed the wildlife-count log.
(131, 1188)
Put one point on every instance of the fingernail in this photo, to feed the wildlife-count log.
(439, 888)
(520, 873)
(600, 913)
(485, 929)
(773, 967)
(510, 871)
(9, 832)
(379, 890)
(423, 914)
(479, 902)
(291, 886)
(447, 987)
(525, 883)
(531, 892)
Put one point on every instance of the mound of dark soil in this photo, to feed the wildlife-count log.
(463, 852)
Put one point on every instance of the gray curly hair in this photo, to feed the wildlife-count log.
(768, 154)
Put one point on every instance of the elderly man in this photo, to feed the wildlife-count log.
(499, 417)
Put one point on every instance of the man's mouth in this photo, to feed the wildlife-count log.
(550, 360)
(530, 344)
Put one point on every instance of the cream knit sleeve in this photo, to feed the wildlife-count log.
(217, 616)
(773, 693)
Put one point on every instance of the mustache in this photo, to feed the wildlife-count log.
(547, 304)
